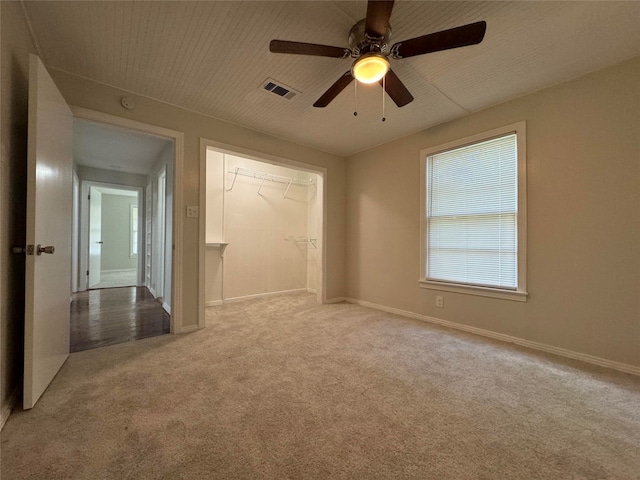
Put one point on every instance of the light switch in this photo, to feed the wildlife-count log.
(193, 211)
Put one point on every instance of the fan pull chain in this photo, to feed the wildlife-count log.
(384, 89)
(355, 86)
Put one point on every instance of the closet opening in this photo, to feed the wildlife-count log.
(262, 227)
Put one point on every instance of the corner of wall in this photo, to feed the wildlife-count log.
(7, 408)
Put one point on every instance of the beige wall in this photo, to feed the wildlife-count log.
(583, 152)
(16, 46)
(214, 224)
(88, 94)
(314, 229)
(214, 197)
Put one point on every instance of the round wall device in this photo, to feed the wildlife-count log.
(128, 103)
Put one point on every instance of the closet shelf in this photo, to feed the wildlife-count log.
(220, 245)
(263, 176)
(311, 241)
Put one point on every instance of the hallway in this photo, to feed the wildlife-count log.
(115, 315)
(118, 278)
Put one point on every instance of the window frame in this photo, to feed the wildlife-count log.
(520, 293)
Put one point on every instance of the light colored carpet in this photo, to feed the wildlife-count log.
(283, 388)
(119, 278)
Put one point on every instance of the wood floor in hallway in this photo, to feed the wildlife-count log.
(115, 315)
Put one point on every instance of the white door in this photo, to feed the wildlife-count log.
(95, 236)
(49, 206)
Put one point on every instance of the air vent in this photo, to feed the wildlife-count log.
(278, 88)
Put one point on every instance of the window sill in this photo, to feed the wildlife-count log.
(517, 296)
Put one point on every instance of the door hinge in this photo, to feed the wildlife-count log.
(87, 272)
(89, 197)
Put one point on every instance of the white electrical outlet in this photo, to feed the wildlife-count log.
(439, 301)
(193, 211)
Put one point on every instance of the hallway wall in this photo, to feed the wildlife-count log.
(166, 161)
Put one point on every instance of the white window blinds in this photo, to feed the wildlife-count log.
(472, 214)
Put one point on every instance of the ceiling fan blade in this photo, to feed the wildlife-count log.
(470, 34)
(396, 89)
(302, 48)
(334, 90)
(378, 14)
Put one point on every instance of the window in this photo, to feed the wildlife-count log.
(133, 229)
(474, 215)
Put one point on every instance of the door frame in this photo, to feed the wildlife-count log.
(176, 320)
(259, 157)
(160, 223)
(75, 234)
(85, 187)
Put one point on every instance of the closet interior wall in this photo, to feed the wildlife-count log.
(263, 225)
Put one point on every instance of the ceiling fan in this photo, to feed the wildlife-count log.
(369, 45)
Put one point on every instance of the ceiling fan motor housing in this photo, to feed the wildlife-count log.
(361, 43)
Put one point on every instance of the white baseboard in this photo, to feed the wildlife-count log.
(152, 292)
(215, 303)
(311, 290)
(263, 295)
(602, 362)
(5, 413)
(337, 300)
(190, 328)
(166, 307)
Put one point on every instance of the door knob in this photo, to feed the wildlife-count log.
(40, 249)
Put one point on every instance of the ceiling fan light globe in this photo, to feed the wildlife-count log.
(370, 68)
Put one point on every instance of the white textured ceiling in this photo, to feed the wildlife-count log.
(112, 148)
(212, 57)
